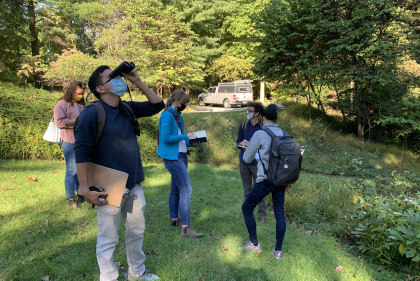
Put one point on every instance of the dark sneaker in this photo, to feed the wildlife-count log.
(146, 276)
(176, 223)
(73, 203)
(188, 232)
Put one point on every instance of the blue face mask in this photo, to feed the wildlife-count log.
(119, 86)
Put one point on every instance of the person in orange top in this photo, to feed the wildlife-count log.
(66, 111)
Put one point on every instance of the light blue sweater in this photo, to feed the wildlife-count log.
(168, 135)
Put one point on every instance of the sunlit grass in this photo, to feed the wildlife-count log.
(65, 249)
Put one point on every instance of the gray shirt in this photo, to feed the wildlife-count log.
(261, 141)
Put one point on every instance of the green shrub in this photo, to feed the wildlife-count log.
(24, 117)
(389, 228)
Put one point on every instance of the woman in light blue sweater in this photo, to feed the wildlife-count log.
(173, 143)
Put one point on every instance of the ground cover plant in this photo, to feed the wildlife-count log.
(40, 236)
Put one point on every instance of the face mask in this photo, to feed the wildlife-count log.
(182, 107)
(77, 97)
(249, 115)
(119, 86)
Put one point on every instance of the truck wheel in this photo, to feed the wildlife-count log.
(226, 103)
(200, 102)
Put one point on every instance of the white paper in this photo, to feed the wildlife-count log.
(200, 134)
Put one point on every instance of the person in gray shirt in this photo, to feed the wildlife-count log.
(261, 142)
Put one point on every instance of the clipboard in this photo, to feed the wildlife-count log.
(112, 181)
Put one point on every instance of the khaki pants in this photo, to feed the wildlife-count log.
(131, 210)
(249, 176)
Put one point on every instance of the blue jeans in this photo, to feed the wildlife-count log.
(71, 182)
(180, 196)
(258, 192)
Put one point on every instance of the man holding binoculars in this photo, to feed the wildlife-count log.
(117, 148)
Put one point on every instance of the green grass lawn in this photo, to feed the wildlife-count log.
(41, 236)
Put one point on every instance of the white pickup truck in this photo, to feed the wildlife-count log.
(229, 93)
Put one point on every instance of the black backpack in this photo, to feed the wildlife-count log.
(101, 118)
(284, 161)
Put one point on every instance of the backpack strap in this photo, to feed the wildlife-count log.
(178, 121)
(126, 105)
(101, 120)
(243, 128)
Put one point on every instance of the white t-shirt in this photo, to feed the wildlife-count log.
(182, 145)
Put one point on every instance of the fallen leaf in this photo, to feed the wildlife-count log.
(206, 204)
(13, 177)
(267, 233)
(339, 268)
(5, 189)
(214, 203)
(216, 238)
(199, 214)
(11, 196)
(270, 269)
(224, 249)
(208, 219)
(32, 178)
(62, 167)
(236, 216)
(47, 222)
(16, 188)
(258, 253)
(119, 265)
(56, 171)
(149, 224)
(212, 232)
(225, 235)
(409, 277)
(30, 232)
(294, 223)
(185, 252)
(156, 252)
(203, 227)
(84, 224)
(313, 232)
(382, 268)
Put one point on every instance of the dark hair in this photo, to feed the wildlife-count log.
(95, 80)
(177, 95)
(257, 105)
(68, 96)
(270, 112)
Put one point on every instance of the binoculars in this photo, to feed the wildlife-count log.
(124, 67)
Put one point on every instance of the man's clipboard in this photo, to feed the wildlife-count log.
(112, 181)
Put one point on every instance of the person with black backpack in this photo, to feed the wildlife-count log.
(278, 166)
(116, 147)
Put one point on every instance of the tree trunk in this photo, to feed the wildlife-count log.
(34, 39)
(341, 108)
(308, 97)
(320, 104)
(82, 34)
